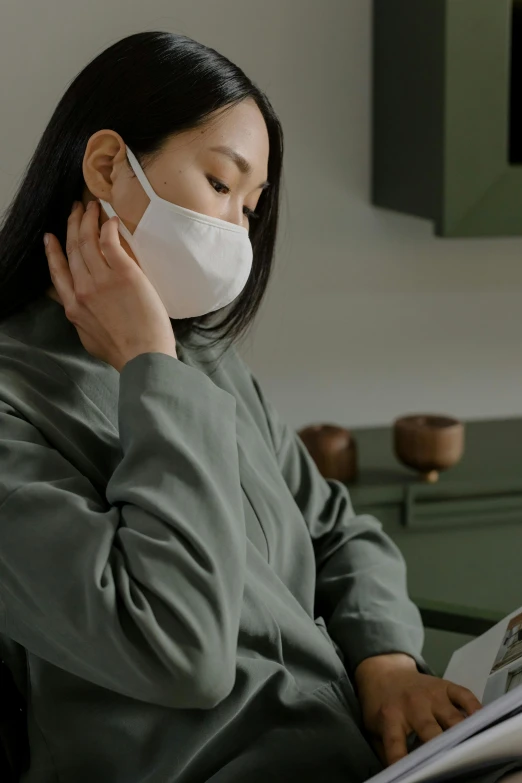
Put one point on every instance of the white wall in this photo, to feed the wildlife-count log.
(369, 315)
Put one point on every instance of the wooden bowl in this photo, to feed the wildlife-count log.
(429, 444)
(333, 450)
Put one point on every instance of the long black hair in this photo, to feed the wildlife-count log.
(145, 87)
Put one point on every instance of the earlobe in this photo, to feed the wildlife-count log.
(104, 152)
(97, 183)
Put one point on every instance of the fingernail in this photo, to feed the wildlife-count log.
(46, 239)
(90, 204)
(75, 205)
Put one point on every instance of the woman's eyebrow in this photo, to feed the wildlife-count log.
(241, 162)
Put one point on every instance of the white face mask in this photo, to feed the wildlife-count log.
(197, 263)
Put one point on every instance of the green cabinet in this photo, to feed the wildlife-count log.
(462, 537)
(447, 116)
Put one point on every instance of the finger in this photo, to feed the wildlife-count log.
(77, 265)
(59, 270)
(378, 747)
(462, 697)
(448, 715)
(89, 239)
(425, 725)
(394, 740)
(110, 244)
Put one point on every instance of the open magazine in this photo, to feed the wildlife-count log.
(491, 667)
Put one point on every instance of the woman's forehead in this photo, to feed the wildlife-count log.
(241, 129)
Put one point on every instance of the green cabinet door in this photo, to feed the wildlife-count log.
(447, 135)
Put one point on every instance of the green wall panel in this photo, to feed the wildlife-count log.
(461, 538)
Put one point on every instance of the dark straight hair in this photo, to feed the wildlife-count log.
(145, 87)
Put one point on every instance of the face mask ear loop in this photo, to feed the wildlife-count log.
(147, 187)
(124, 231)
(135, 166)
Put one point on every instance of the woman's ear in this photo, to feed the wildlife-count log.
(109, 177)
(105, 157)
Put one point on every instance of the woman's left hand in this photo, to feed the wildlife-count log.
(398, 700)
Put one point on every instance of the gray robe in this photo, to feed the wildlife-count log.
(182, 596)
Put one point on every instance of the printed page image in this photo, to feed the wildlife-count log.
(511, 647)
(506, 673)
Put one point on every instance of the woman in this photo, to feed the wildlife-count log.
(183, 597)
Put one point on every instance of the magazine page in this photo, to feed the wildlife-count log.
(427, 756)
(500, 741)
(491, 665)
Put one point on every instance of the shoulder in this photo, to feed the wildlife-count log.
(28, 376)
(31, 342)
(44, 370)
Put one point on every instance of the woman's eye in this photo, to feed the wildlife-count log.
(218, 186)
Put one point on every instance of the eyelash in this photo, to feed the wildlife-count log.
(224, 189)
